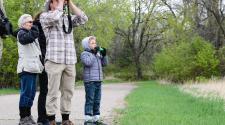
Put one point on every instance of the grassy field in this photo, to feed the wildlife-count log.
(154, 104)
(9, 91)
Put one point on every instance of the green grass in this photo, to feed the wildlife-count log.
(8, 91)
(154, 104)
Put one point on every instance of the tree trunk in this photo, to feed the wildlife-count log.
(1, 48)
(138, 68)
(213, 15)
(1, 41)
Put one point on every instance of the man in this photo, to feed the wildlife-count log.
(60, 56)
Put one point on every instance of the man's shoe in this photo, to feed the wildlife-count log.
(52, 122)
(99, 123)
(67, 122)
(46, 122)
(27, 121)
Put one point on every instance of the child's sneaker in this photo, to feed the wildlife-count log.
(89, 123)
(27, 121)
(99, 123)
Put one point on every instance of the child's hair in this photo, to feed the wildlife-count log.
(91, 38)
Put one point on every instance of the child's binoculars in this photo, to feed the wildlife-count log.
(101, 50)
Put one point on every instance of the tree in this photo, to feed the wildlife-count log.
(208, 16)
(103, 17)
(143, 30)
(1, 41)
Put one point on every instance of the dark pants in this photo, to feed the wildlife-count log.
(43, 83)
(93, 98)
(27, 93)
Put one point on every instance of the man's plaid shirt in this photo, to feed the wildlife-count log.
(60, 46)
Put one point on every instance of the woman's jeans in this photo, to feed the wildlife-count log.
(93, 98)
(27, 89)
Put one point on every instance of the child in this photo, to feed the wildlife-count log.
(29, 65)
(93, 58)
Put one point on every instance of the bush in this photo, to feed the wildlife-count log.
(186, 60)
(79, 71)
(8, 64)
(127, 73)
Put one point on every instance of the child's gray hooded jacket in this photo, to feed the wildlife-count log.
(93, 63)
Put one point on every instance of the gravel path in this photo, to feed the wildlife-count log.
(112, 98)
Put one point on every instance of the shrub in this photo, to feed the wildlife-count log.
(8, 64)
(186, 60)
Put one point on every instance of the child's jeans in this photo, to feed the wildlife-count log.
(93, 98)
(27, 89)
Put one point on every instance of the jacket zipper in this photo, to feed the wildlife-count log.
(98, 68)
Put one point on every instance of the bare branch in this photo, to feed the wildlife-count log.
(144, 26)
(170, 8)
(217, 17)
(121, 32)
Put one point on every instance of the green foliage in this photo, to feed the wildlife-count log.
(8, 64)
(123, 73)
(186, 60)
(155, 104)
(15, 8)
(79, 71)
(103, 17)
(127, 73)
(205, 62)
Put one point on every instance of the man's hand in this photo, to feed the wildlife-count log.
(66, 1)
(74, 8)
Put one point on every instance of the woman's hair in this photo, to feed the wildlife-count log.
(37, 16)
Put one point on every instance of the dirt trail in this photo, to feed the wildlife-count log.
(112, 98)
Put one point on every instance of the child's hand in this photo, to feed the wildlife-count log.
(103, 51)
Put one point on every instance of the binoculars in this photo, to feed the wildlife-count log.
(101, 50)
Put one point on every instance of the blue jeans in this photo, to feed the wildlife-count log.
(93, 98)
(27, 89)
